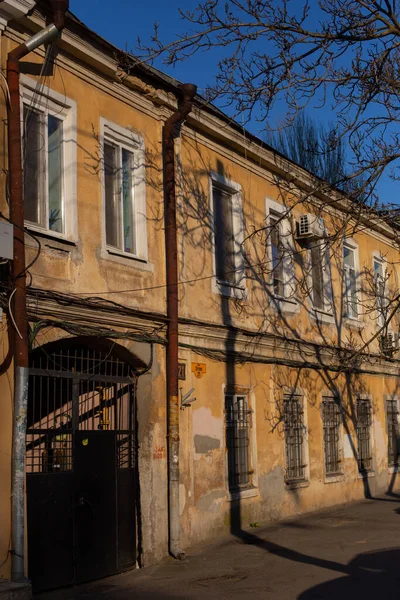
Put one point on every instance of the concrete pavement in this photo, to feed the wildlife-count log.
(350, 552)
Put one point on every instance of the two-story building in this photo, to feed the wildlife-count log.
(288, 329)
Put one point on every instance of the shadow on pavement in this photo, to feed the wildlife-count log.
(369, 576)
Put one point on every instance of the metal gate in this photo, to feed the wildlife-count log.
(81, 467)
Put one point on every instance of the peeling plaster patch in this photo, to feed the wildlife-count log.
(182, 498)
(211, 502)
(207, 431)
(272, 484)
(379, 439)
(204, 444)
(348, 446)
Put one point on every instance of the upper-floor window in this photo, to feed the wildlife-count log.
(280, 249)
(49, 159)
(277, 255)
(380, 276)
(350, 276)
(124, 191)
(227, 228)
(224, 236)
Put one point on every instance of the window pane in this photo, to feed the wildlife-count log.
(348, 257)
(33, 164)
(351, 285)
(317, 275)
(224, 236)
(276, 256)
(111, 194)
(127, 199)
(55, 135)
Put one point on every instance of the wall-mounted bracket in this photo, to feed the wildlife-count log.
(186, 400)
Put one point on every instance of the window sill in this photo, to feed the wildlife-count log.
(293, 485)
(355, 324)
(228, 290)
(367, 474)
(250, 492)
(334, 478)
(322, 316)
(123, 258)
(394, 469)
(286, 305)
(48, 238)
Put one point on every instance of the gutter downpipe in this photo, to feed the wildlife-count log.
(21, 370)
(171, 253)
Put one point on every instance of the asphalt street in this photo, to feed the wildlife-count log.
(349, 552)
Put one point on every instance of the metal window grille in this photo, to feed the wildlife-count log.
(74, 391)
(294, 437)
(392, 422)
(238, 423)
(364, 422)
(331, 419)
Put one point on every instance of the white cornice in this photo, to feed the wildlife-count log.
(14, 9)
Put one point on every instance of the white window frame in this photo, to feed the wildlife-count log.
(287, 302)
(378, 258)
(353, 246)
(131, 141)
(251, 489)
(327, 293)
(64, 109)
(238, 289)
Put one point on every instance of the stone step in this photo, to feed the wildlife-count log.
(15, 591)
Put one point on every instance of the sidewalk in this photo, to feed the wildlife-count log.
(351, 552)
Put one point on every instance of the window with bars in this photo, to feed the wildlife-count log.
(364, 422)
(331, 420)
(294, 438)
(238, 426)
(393, 432)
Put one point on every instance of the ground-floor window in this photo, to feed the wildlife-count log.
(364, 422)
(293, 415)
(331, 420)
(238, 426)
(393, 432)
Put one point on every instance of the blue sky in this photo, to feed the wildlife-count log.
(122, 21)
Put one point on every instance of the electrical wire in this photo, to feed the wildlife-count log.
(11, 313)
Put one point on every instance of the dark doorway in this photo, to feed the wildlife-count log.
(81, 464)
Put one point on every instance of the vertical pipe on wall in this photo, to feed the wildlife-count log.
(171, 252)
(16, 199)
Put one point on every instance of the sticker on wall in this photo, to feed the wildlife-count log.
(85, 442)
(199, 369)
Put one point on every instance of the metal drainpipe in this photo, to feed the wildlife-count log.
(21, 370)
(171, 251)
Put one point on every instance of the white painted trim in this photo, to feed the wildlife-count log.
(252, 489)
(288, 303)
(353, 322)
(238, 290)
(48, 101)
(126, 137)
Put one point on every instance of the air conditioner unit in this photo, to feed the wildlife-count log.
(390, 343)
(310, 226)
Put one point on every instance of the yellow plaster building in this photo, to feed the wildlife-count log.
(285, 325)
